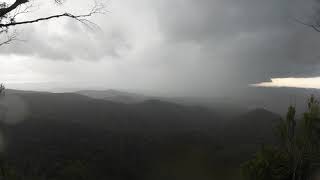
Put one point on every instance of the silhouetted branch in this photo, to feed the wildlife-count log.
(2, 90)
(12, 37)
(8, 14)
(6, 10)
(98, 9)
(20, 11)
(315, 26)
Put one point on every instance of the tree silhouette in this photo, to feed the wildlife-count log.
(312, 21)
(2, 90)
(297, 156)
(10, 12)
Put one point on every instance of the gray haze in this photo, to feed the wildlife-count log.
(178, 47)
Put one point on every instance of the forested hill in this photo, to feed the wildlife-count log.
(66, 134)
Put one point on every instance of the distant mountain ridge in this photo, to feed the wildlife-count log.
(125, 140)
(223, 108)
(274, 99)
(114, 95)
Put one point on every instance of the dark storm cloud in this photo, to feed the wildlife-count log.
(200, 20)
(189, 45)
(261, 38)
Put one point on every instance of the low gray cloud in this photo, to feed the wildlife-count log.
(187, 45)
(75, 42)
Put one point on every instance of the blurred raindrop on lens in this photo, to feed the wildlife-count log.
(12, 109)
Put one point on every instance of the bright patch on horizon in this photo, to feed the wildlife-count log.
(313, 83)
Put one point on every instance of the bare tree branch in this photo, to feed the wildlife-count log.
(78, 17)
(9, 38)
(97, 9)
(314, 26)
(20, 11)
(8, 16)
(4, 11)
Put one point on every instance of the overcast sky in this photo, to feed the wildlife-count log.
(184, 47)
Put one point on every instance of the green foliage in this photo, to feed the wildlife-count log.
(75, 170)
(7, 172)
(268, 164)
(297, 155)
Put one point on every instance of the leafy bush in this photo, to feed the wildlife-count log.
(297, 156)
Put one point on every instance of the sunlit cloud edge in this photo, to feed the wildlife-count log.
(291, 82)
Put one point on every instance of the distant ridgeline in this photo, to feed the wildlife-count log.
(71, 136)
